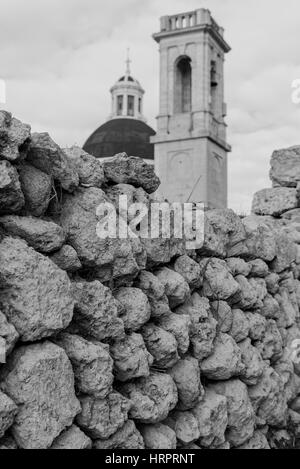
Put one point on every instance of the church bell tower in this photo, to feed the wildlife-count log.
(190, 144)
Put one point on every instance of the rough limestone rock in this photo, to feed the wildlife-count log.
(101, 418)
(271, 308)
(43, 236)
(203, 325)
(14, 137)
(287, 312)
(241, 417)
(275, 201)
(107, 258)
(128, 437)
(8, 333)
(238, 266)
(153, 398)
(158, 436)
(36, 187)
(257, 326)
(240, 326)
(260, 242)
(155, 292)
(258, 268)
(35, 294)
(66, 259)
(246, 297)
(131, 358)
(185, 426)
(190, 270)
(73, 438)
(46, 155)
(258, 441)
(186, 375)
(224, 234)
(271, 345)
(285, 251)
(223, 314)
(176, 287)
(92, 365)
(211, 414)
(218, 283)
(39, 378)
(136, 307)
(11, 196)
(8, 412)
(179, 326)
(162, 345)
(268, 399)
(96, 312)
(254, 365)
(225, 360)
(272, 282)
(123, 169)
(89, 168)
(285, 167)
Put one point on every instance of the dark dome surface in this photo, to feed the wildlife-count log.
(131, 136)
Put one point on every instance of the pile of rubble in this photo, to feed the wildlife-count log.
(137, 343)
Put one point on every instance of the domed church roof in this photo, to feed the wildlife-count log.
(126, 130)
(131, 136)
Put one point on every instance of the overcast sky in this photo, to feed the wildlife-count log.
(60, 57)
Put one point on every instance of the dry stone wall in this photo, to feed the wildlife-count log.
(135, 344)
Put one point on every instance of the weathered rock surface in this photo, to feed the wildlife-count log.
(223, 314)
(158, 436)
(225, 361)
(43, 236)
(8, 412)
(179, 326)
(189, 270)
(101, 418)
(258, 441)
(89, 168)
(240, 326)
(211, 415)
(241, 417)
(35, 294)
(8, 333)
(107, 258)
(275, 201)
(96, 312)
(128, 437)
(123, 169)
(162, 345)
(11, 196)
(260, 241)
(39, 378)
(73, 438)
(253, 362)
(46, 155)
(218, 283)
(36, 187)
(155, 292)
(66, 259)
(14, 137)
(176, 287)
(131, 358)
(92, 365)
(186, 375)
(136, 308)
(152, 398)
(285, 167)
(185, 426)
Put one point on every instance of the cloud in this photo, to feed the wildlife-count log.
(60, 58)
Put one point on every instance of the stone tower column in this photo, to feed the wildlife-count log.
(190, 144)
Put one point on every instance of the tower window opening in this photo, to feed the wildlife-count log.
(130, 106)
(183, 86)
(214, 88)
(120, 101)
(140, 105)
